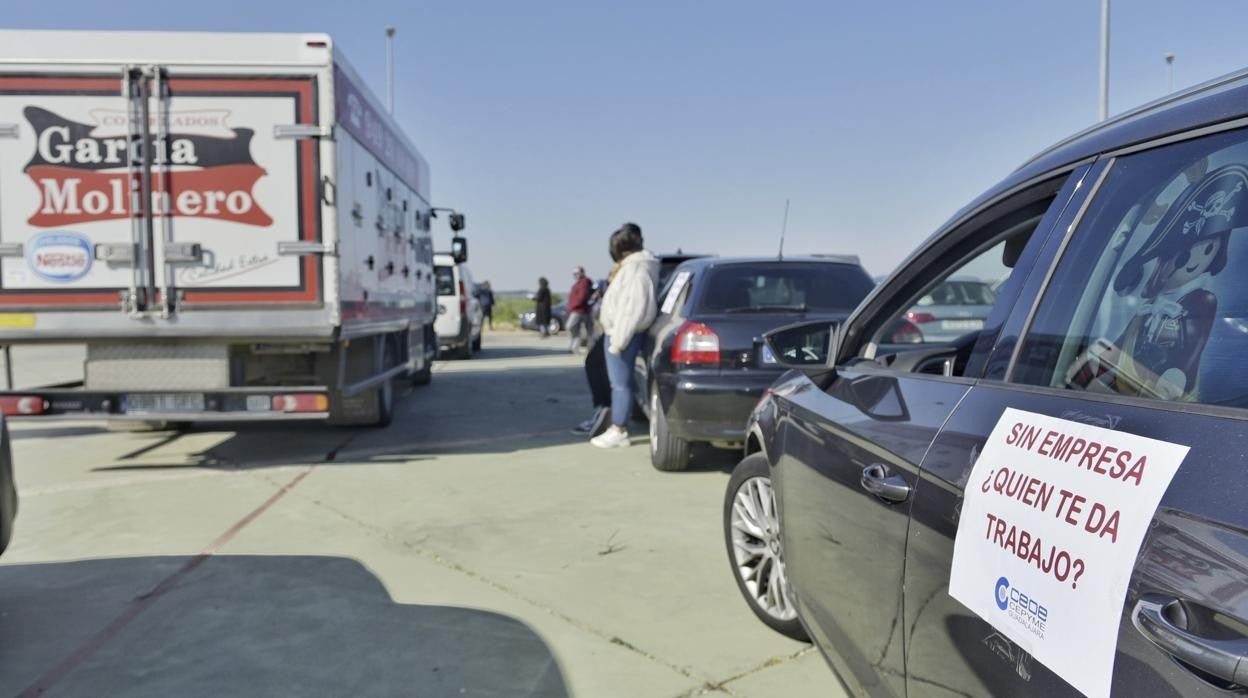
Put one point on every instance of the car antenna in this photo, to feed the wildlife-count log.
(783, 226)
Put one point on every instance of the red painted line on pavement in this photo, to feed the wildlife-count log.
(142, 602)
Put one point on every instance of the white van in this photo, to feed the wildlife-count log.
(458, 323)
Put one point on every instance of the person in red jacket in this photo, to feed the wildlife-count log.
(580, 322)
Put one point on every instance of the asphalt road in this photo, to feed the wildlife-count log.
(473, 548)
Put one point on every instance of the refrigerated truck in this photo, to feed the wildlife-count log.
(231, 223)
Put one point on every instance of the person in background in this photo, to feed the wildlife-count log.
(628, 308)
(579, 321)
(486, 299)
(541, 310)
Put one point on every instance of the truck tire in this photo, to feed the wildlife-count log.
(476, 343)
(667, 452)
(373, 407)
(424, 376)
(385, 404)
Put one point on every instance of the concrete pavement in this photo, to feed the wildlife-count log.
(475, 547)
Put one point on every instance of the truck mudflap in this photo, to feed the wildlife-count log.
(224, 404)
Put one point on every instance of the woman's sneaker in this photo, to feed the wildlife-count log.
(611, 438)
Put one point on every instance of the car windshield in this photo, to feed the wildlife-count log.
(783, 287)
(445, 279)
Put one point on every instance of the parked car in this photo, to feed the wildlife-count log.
(702, 366)
(669, 262)
(950, 310)
(1124, 308)
(459, 312)
(8, 488)
(558, 318)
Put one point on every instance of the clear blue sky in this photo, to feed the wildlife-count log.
(550, 123)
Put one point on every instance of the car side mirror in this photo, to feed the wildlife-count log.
(459, 249)
(806, 346)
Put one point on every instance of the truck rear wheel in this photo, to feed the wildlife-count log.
(373, 407)
(424, 376)
(385, 403)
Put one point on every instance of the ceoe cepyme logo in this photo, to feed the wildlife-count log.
(1023, 609)
(60, 256)
(1003, 593)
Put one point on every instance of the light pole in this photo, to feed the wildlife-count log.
(1104, 59)
(1169, 73)
(390, 68)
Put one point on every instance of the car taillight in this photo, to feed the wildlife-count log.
(463, 299)
(919, 317)
(695, 343)
(907, 333)
(301, 402)
(17, 405)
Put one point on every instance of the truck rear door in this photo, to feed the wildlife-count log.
(150, 188)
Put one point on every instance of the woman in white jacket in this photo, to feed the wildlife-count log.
(628, 308)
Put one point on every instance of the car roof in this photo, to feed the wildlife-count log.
(704, 262)
(1215, 101)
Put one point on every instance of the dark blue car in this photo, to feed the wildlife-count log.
(1123, 304)
(703, 366)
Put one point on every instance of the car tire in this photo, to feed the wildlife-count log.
(556, 325)
(667, 452)
(752, 537)
(476, 343)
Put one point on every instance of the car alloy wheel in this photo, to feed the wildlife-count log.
(756, 548)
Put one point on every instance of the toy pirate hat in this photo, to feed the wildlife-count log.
(1216, 204)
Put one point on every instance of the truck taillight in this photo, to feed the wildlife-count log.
(301, 402)
(695, 343)
(463, 299)
(17, 405)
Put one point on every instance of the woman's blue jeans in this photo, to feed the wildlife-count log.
(620, 372)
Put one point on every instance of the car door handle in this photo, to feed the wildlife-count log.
(877, 481)
(1226, 659)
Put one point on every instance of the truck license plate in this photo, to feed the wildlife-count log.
(165, 402)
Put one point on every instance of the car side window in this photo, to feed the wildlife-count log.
(935, 331)
(1150, 298)
(956, 305)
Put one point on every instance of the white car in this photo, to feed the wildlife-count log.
(459, 313)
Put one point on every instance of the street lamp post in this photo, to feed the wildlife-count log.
(390, 68)
(1104, 59)
(1169, 73)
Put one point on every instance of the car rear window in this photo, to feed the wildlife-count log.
(781, 286)
(445, 278)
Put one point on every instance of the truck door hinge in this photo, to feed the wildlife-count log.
(10, 131)
(299, 248)
(118, 253)
(283, 131)
(11, 249)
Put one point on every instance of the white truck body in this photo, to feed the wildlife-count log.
(229, 212)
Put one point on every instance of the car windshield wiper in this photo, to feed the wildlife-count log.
(766, 309)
